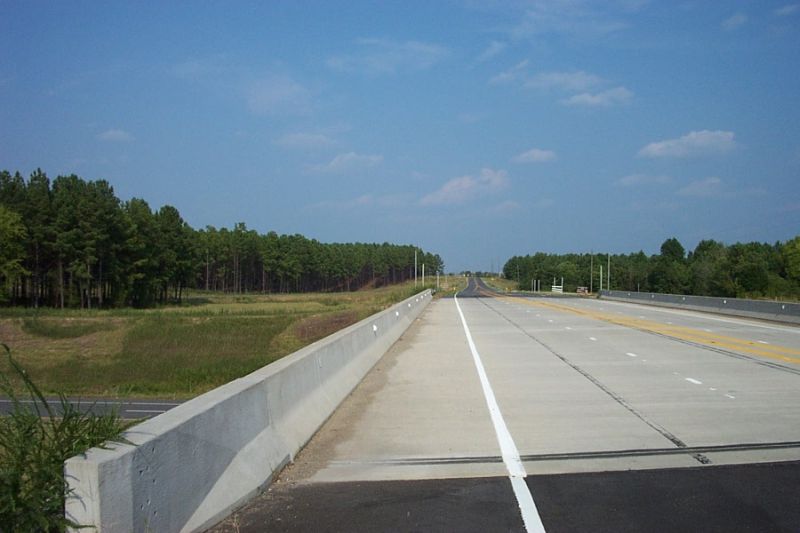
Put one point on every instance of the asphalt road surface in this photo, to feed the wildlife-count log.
(507, 413)
(130, 409)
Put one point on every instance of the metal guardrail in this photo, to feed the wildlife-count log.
(763, 309)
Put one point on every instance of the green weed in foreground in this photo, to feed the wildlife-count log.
(35, 440)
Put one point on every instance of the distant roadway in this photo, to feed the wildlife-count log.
(510, 413)
(126, 408)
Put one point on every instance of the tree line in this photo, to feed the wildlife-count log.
(743, 270)
(73, 243)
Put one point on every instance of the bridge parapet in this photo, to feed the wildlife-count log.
(190, 467)
(764, 309)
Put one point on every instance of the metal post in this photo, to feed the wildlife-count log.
(415, 268)
(601, 278)
(423, 274)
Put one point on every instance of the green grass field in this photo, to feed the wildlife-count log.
(180, 351)
(501, 284)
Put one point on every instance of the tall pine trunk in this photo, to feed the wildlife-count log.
(61, 281)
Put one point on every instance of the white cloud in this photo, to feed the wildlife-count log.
(705, 188)
(734, 21)
(462, 189)
(212, 66)
(278, 95)
(304, 141)
(364, 201)
(578, 18)
(788, 9)
(568, 81)
(608, 98)
(470, 118)
(115, 135)
(634, 180)
(695, 143)
(504, 208)
(348, 162)
(383, 56)
(494, 48)
(535, 155)
(517, 72)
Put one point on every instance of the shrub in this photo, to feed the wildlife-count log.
(35, 440)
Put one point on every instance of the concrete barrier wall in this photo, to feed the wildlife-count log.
(188, 468)
(764, 309)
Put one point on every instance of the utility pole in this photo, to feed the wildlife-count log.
(423, 274)
(415, 268)
(608, 284)
(591, 272)
(601, 278)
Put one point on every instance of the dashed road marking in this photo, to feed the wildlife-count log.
(695, 381)
(631, 354)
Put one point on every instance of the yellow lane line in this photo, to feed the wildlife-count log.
(771, 351)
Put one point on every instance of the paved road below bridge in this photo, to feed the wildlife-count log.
(129, 408)
(498, 413)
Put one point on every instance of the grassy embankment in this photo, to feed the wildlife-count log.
(501, 284)
(178, 351)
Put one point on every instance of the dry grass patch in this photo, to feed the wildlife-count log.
(178, 351)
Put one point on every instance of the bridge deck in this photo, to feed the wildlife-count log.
(610, 407)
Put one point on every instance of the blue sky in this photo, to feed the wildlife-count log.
(476, 129)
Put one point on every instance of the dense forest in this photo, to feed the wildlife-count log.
(73, 243)
(751, 270)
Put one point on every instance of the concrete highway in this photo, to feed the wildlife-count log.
(509, 413)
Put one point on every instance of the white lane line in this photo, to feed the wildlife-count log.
(712, 388)
(509, 451)
(631, 354)
(567, 327)
(692, 380)
(592, 338)
(731, 396)
(549, 320)
(763, 342)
